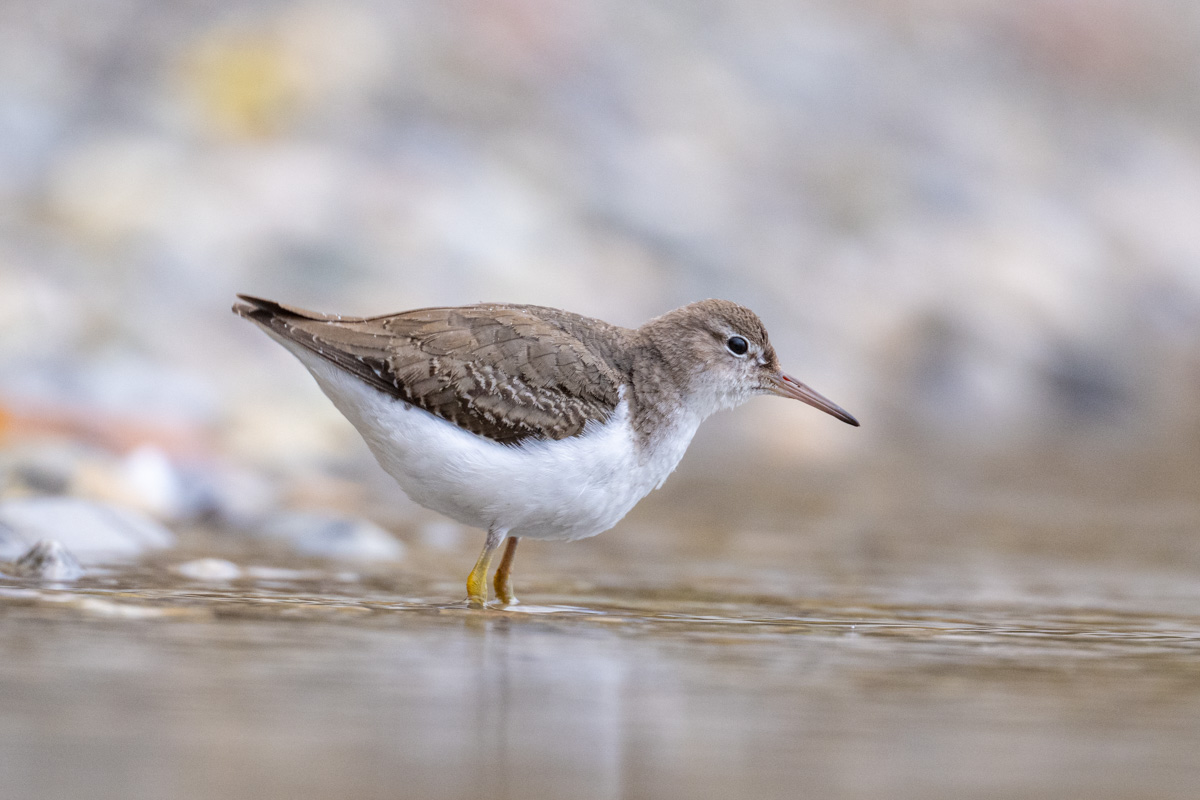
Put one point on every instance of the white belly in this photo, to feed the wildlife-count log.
(565, 489)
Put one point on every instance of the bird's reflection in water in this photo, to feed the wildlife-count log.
(548, 713)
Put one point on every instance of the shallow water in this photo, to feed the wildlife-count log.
(690, 679)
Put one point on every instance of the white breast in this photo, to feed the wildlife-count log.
(565, 489)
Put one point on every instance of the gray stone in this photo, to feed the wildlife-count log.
(228, 494)
(94, 532)
(333, 536)
(50, 561)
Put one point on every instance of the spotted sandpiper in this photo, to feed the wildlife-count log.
(528, 421)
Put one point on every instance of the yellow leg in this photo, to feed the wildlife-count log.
(503, 579)
(477, 580)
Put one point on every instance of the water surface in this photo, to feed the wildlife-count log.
(692, 680)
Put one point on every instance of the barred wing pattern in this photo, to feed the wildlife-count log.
(505, 372)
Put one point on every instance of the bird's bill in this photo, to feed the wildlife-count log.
(785, 385)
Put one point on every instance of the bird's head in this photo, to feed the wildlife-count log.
(719, 354)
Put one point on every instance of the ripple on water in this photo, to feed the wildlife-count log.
(693, 695)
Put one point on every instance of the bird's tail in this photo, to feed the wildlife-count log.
(262, 311)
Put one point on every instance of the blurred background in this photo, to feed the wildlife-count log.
(975, 225)
(972, 224)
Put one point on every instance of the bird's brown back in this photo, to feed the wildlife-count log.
(505, 372)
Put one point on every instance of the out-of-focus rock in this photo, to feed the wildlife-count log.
(39, 467)
(50, 561)
(250, 83)
(94, 532)
(11, 545)
(35, 476)
(442, 534)
(333, 536)
(145, 480)
(227, 494)
(209, 569)
(152, 477)
(262, 430)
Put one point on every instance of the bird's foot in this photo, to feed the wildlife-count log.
(505, 596)
(477, 588)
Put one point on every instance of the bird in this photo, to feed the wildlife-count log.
(528, 421)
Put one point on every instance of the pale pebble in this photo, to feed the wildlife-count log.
(209, 569)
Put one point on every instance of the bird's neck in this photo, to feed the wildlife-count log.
(663, 412)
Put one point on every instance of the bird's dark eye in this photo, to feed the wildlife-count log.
(737, 345)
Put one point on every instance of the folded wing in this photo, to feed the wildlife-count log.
(506, 372)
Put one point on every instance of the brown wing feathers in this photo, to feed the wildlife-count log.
(504, 372)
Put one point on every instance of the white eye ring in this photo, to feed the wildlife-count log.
(738, 346)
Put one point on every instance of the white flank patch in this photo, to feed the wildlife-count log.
(565, 489)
